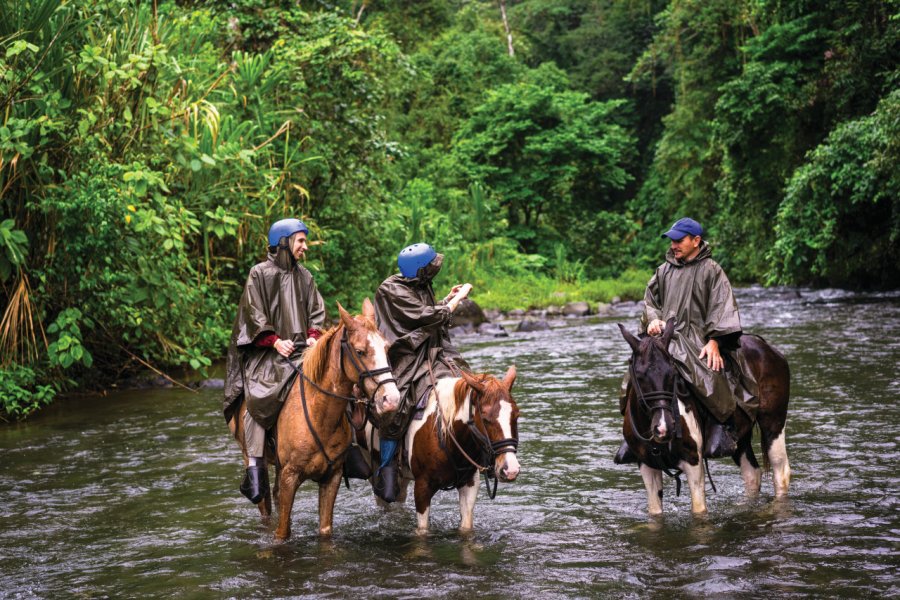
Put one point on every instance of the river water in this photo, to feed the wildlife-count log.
(135, 494)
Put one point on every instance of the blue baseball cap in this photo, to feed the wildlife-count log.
(683, 227)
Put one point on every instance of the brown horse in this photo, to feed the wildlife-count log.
(469, 427)
(313, 432)
(664, 424)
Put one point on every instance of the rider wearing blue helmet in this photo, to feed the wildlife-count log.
(281, 313)
(416, 326)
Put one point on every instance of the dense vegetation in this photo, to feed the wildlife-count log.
(146, 147)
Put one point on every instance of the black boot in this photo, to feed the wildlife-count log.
(387, 485)
(721, 439)
(624, 456)
(255, 483)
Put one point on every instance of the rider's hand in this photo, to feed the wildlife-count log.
(452, 293)
(461, 293)
(311, 341)
(656, 327)
(713, 357)
(284, 347)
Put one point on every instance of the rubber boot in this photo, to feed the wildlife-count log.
(255, 482)
(387, 484)
(721, 439)
(624, 456)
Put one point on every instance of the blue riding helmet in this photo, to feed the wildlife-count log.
(285, 228)
(412, 258)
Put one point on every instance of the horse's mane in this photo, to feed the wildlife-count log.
(448, 405)
(315, 358)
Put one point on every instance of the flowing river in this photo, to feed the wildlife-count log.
(136, 494)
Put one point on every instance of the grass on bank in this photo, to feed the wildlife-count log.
(538, 291)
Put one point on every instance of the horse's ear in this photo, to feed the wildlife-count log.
(668, 332)
(473, 383)
(510, 378)
(346, 319)
(368, 309)
(632, 341)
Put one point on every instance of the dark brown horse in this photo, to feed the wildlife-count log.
(469, 427)
(664, 424)
(313, 432)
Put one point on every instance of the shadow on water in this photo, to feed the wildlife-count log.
(136, 494)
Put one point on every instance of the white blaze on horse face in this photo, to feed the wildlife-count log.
(509, 466)
(391, 399)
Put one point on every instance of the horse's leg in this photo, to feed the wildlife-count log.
(423, 493)
(695, 474)
(750, 471)
(467, 495)
(781, 468)
(328, 491)
(653, 483)
(774, 379)
(692, 457)
(288, 483)
(277, 479)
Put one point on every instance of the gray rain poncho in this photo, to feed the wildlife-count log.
(279, 297)
(699, 296)
(417, 328)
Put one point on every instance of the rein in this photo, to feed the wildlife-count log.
(363, 375)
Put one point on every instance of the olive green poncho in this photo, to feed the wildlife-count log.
(699, 296)
(417, 328)
(280, 297)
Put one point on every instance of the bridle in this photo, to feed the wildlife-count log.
(649, 402)
(363, 373)
(488, 450)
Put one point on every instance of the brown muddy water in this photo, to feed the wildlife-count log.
(135, 494)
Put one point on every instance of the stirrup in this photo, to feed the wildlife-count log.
(625, 456)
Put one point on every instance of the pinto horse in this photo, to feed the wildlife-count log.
(469, 427)
(313, 431)
(664, 426)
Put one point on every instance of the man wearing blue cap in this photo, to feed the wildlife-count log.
(416, 325)
(691, 287)
(281, 313)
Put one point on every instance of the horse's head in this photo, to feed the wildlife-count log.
(653, 380)
(364, 359)
(496, 414)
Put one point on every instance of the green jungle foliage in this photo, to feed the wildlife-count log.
(146, 147)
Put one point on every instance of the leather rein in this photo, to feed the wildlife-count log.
(362, 374)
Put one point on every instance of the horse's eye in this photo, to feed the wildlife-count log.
(360, 352)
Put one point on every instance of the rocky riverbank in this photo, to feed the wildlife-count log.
(470, 319)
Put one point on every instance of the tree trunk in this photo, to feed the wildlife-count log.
(509, 43)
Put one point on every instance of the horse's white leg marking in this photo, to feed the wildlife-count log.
(694, 473)
(422, 521)
(751, 475)
(781, 469)
(510, 461)
(653, 483)
(391, 393)
(467, 495)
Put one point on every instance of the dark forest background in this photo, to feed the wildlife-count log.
(542, 145)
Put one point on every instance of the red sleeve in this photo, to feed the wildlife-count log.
(313, 333)
(265, 341)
